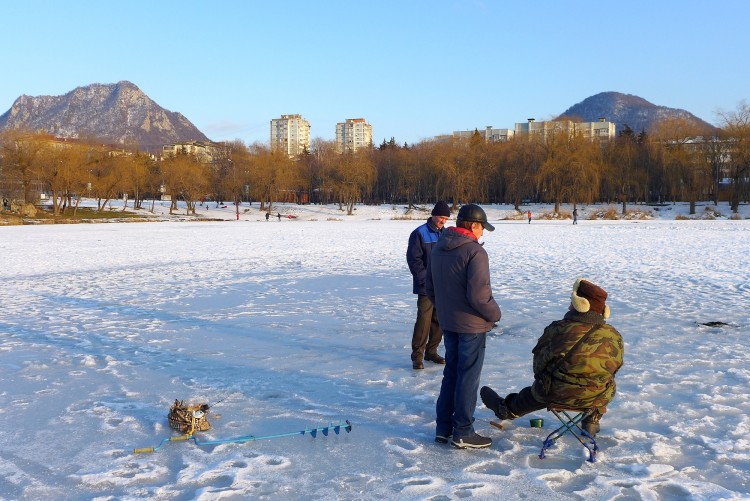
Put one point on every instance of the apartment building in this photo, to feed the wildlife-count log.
(352, 135)
(602, 130)
(489, 134)
(291, 134)
(205, 152)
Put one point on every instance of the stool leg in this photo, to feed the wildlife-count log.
(570, 424)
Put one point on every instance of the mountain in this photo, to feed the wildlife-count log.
(622, 109)
(114, 113)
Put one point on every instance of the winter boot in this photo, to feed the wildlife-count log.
(590, 423)
(474, 441)
(435, 358)
(416, 361)
(495, 403)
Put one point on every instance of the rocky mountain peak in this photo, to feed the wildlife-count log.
(117, 113)
(626, 109)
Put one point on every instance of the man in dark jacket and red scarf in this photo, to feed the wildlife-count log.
(575, 362)
(427, 333)
(459, 285)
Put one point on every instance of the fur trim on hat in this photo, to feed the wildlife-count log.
(580, 303)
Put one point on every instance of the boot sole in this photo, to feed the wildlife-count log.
(464, 445)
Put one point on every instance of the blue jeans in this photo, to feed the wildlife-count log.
(464, 358)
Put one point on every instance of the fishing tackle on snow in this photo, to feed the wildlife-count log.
(189, 419)
(251, 438)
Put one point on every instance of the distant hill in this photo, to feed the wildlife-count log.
(622, 109)
(115, 113)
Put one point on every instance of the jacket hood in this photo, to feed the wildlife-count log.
(453, 239)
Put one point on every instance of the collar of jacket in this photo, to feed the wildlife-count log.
(590, 317)
(464, 232)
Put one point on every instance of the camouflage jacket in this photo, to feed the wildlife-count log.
(586, 378)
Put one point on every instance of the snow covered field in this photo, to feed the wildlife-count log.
(307, 321)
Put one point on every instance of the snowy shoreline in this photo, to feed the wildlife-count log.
(213, 212)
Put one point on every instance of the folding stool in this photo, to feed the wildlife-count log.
(571, 423)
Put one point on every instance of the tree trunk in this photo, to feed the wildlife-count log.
(75, 208)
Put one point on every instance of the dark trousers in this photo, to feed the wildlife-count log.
(523, 402)
(427, 332)
(464, 358)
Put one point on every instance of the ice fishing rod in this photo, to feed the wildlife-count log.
(250, 438)
(217, 403)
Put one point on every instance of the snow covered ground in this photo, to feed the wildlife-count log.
(307, 321)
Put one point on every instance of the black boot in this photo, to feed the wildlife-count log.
(495, 403)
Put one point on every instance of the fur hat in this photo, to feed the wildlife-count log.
(587, 296)
(441, 209)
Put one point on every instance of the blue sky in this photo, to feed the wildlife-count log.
(413, 69)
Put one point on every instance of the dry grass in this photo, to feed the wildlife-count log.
(611, 213)
(82, 215)
(555, 216)
(709, 214)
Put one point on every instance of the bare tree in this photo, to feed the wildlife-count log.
(20, 152)
(688, 172)
(736, 132)
(186, 177)
(572, 169)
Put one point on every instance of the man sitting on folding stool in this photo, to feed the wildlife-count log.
(575, 362)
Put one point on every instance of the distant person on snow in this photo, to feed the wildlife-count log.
(575, 362)
(528, 214)
(268, 214)
(278, 214)
(575, 216)
(427, 334)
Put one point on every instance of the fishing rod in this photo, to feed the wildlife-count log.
(250, 438)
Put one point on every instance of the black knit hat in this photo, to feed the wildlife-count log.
(441, 209)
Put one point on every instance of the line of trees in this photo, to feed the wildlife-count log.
(675, 161)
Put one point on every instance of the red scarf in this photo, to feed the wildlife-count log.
(464, 232)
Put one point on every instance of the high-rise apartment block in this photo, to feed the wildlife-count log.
(291, 134)
(353, 135)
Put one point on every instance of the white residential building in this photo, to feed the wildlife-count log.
(602, 130)
(291, 134)
(205, 152)
(489, 134)
(352, 135)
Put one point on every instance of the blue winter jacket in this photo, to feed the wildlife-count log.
(421, 242)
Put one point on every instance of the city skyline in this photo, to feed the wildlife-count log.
(415, 70)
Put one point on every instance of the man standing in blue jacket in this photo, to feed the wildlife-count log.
(427, 333)
(459, 285)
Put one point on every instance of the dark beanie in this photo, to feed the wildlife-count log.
(441, 209)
